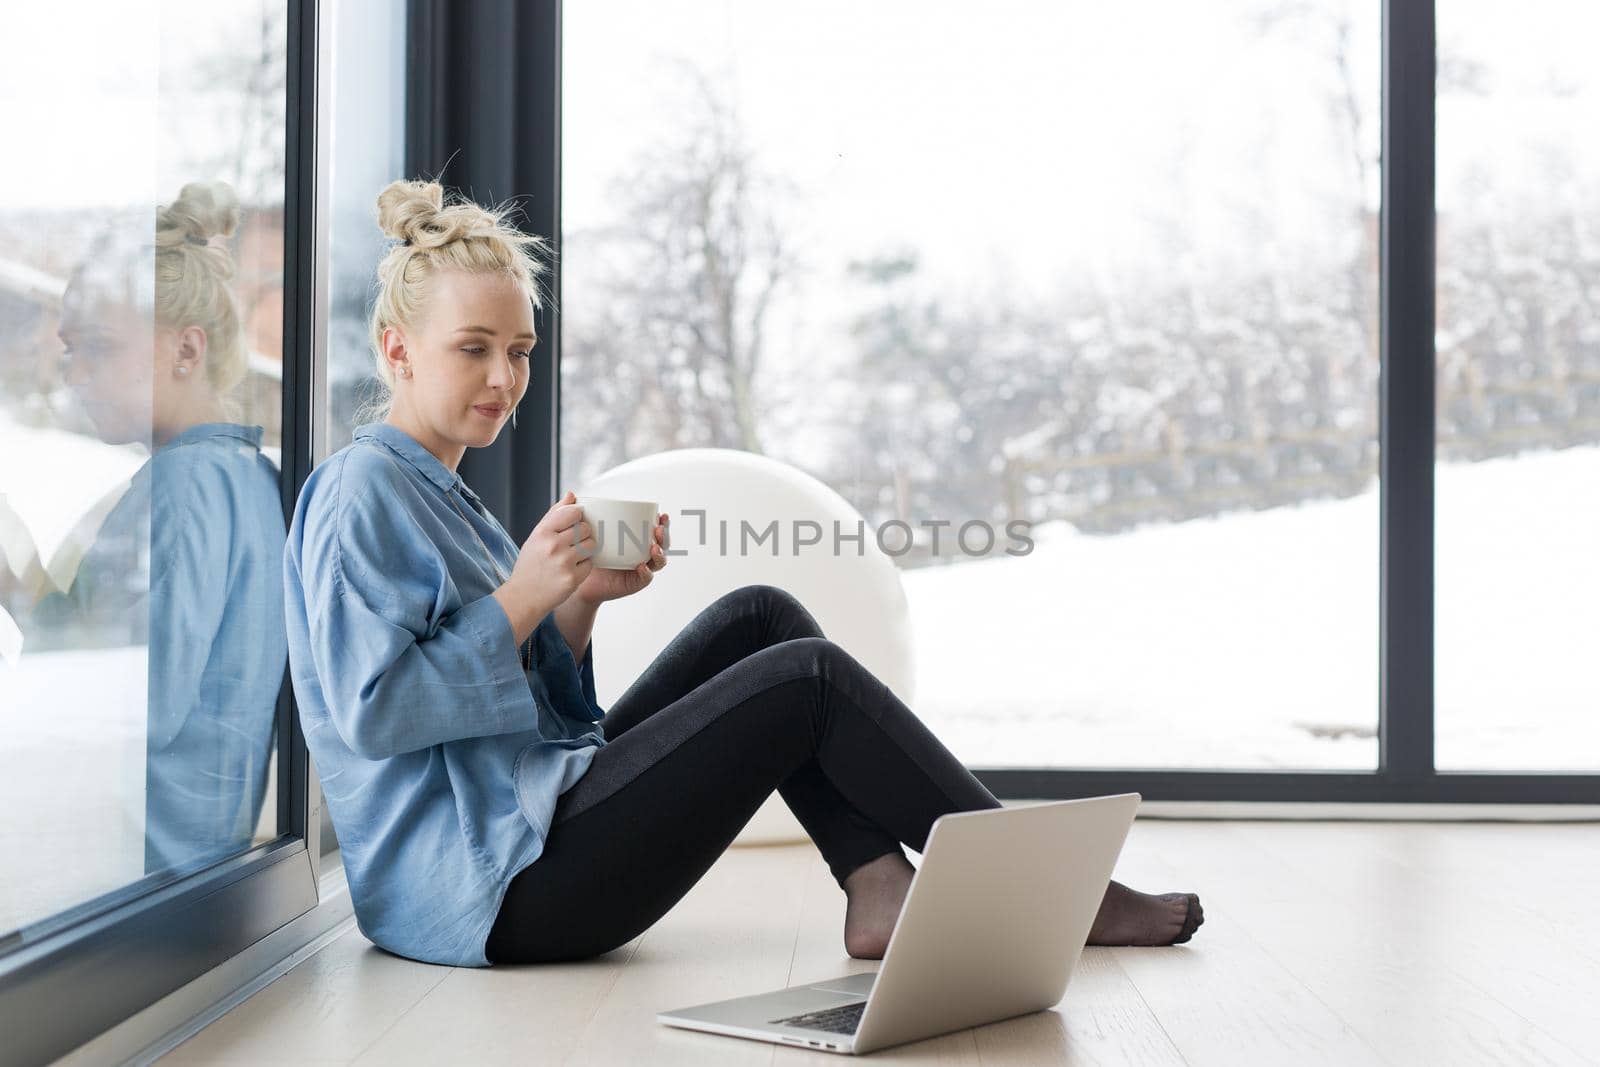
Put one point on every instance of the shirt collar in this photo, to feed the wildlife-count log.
(249, 434)
(410, 449)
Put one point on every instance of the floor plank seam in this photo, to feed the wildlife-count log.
(1514, 1012)
(1236, 832)
(1386, 852)
(799, 924)
(594, 1012)
(1154, 1015)
(400, 1016)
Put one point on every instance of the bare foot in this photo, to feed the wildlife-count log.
(877, 892)
(1129, 917)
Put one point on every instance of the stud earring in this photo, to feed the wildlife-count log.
(183, 370)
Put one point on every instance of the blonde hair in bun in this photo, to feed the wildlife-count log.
(180, 279)
(194, 276)
(434, 237)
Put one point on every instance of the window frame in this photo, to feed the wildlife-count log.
(1406, 771)
(113, 957)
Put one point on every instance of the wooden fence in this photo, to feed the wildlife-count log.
(1188, 479)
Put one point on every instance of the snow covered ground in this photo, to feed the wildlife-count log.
(1220, 643)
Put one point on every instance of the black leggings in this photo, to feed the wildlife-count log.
(749, 697)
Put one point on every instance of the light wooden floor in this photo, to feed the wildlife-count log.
(1339, 943)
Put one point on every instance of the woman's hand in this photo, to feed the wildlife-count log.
(555, 560)
(604, 584)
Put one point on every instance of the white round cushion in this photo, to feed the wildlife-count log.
(855, 593)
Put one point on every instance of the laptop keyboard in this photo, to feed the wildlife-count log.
(841, 1020)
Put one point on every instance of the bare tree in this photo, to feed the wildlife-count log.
(1329, 34)
(675, 294)
(247, 78)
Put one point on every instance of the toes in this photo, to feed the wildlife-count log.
(1164, 919)
(1192, 920)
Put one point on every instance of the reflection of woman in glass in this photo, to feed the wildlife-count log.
(191, 556)
(488, 809)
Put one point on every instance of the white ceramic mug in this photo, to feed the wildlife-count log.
(621, 528)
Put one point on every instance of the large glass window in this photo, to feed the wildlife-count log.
(1518, 386)
(1108, 269)
(142, 647)
(369, 153)
(368, 147)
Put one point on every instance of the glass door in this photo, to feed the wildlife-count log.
(154, 227)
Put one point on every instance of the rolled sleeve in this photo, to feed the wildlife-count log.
(570, 684)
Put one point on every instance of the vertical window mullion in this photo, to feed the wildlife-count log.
(1406, 400)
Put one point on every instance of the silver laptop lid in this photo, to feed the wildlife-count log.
(996, 917)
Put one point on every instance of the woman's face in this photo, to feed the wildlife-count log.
(108, 358)
(121, 367)
(469, 360)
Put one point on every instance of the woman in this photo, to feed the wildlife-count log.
(189, 560)
(488, 809)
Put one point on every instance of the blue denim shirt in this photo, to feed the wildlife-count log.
(440, 757)
(191, 557)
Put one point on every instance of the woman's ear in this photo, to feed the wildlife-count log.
(394, 352)
(189, 355)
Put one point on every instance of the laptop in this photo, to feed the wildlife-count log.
(993, 924)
